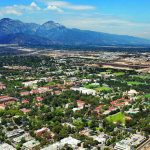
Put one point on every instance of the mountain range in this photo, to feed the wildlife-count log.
(51, 33)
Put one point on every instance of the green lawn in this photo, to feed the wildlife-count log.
(103, 88)
(51, 84)
(147, 95)
(109, 70)
(134, 83)
(103, 73)
(119, 73)
(119, 117)
(91, 86)
(98, 88)
(142, 76)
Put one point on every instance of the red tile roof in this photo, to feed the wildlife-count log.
(39, 99)
(25, 101)
(81, 102)
(97, 109)
(24, 110)
(25, 93)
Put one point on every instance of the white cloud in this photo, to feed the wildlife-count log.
(9, 10)
(34, 6)
(108, 24)
(19, 9)
(54, 8)
(66, 5)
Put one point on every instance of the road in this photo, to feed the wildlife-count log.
(145, 145)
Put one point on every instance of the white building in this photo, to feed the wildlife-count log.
(133, 111)
(129, 144)
(70, 141)
(54, 146)
(5, 146)
(68, 125)
(84, 90)
(18, 139)
(30, 83)
(123, 145)
(14, 133)
(101, 138)
(132, 92)
(31, 145)
(59, 145)
(137, 139)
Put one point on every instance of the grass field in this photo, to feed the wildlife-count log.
(147, 95)
(51, 84)
(103, 88)
(135, 83)
(119, 73)
(142, 76)
(98, 88)
(119, 117)
(91, 86)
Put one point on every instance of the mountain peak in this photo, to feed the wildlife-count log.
(52, 25)
(58, 34)
(9, 21)
(5, 20)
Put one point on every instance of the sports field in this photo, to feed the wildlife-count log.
(119, 117)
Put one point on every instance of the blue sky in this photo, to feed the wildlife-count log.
(129, 17)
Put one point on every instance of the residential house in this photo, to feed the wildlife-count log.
(24, 110)
(5, 146)
(41, 131)
(14, 133)
(2, 86)
(80, 104)
(70, 141)
(7, 99)
(31, 145)
(98, 108)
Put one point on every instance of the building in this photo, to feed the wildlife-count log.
(68, 125)
(7, 99)
(2, 106)
(5, 146)
(84, 90)
(86, 132)
(2, 86)
(70, 141)
(14, 133)
(132, 93)
(41, 131)
(59, 145)
(110, 109)
(55, 146)
(120, 102)
(101, 138)
(31, 145)
(39, 99)
(130, 143)
(123, 145)
(25, 101)
(30, 83)
(24, 110)
(98, 109)
(133, 111)
(18, 139)
(80, 104)
(25, 93)
(137, 139)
